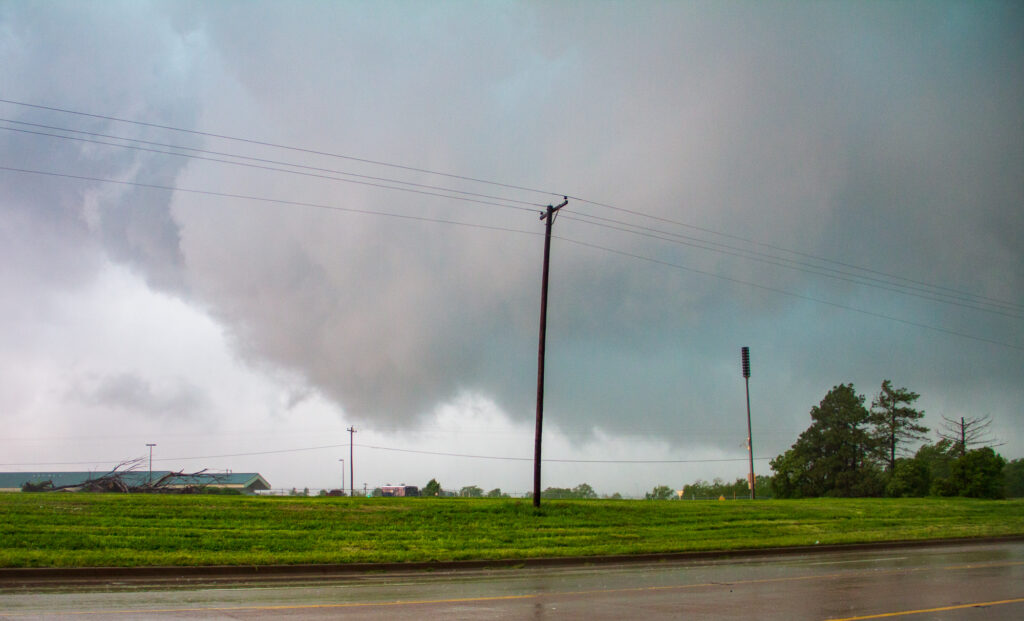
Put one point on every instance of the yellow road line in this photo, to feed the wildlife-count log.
(924, 610)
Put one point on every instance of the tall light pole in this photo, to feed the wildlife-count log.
(150, 461)
(549, 218)
(342, 476)
(745, 355)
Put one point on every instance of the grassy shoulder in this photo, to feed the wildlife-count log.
(95, 530)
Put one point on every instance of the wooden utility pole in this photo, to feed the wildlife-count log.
(549, 218)
(351, 464)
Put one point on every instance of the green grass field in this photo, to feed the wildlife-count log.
(65, 530)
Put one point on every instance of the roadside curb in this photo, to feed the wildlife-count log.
(25, 576)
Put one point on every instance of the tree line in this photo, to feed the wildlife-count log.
(854, 450)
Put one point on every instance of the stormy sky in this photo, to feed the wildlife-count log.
(235, 229)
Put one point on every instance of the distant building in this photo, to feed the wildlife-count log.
(400, 490)
(245, 482)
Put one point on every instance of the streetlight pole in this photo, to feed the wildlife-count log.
(150, 461)
(745, 355)
(342, 476)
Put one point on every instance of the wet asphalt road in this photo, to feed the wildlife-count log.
(975, 581)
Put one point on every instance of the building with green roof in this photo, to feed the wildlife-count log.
(245, 482)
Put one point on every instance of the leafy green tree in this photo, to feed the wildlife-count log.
(432, 488)
(937, 459)
(910, 477)
(738, 488)
(1013, 473)
(496, 493)
(979, 474)
(471, 491)
(581, 491)
(762, 486)
(584, 491)
(698, 489)
(895, 421)
(832, 457)
(660, 492)
(556, 493)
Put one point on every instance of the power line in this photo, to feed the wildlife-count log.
(523, 232)
(262, 199)
(400, 450)
(256, 159)
(806, 268)
(588, 219)
(791, 294)
(293, 172)
(279, 146)
(790, 251)
(509, 186)
(568, 461)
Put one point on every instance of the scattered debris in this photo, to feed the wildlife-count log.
(127, 478)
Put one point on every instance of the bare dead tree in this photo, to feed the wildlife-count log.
(112, 481)
(967, 433)
(118, 481)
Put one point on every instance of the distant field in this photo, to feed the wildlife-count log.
(51, 529)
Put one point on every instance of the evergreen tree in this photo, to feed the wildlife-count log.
(832, 457)
(432, 488)
(895, 421)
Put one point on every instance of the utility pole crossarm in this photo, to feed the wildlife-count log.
(553, 209)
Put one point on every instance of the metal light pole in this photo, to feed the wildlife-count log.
(342, 476)
(745, 355)
(150, 461)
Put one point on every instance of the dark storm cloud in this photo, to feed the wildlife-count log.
(886, 136)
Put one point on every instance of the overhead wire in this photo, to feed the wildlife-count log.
(248, 158)
(806, 268)
(790, 251)
(789, 293)
(279, 146)
(413, 189)
(593, 220)
(1003, 303)
(524, 232)
(598, 221)
(279, 201)
(590, 219)
(397, 450)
